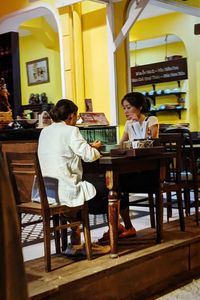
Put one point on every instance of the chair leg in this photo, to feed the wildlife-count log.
(180, 210)
(187, 201)
(159, 216)
(56, 233)
(151, 210)
(64, 233)
(86, 230)
(47, 245)
(196, 203)
(169, 205)
(20, 225)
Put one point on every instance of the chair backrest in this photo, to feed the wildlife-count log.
(18, 147)
(180, 141)
(23, 167)
(173, 145)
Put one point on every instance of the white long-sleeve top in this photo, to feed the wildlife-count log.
(60, 150)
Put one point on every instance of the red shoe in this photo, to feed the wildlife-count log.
(106, 236)
(131, 232)
(121, 228)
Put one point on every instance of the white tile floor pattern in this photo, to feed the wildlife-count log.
(190, 291)
(139, 216)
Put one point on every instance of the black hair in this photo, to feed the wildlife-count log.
(62, 110)
(138, 100)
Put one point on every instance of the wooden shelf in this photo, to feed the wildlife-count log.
(177, 110)
(37, 107)
(155, 96)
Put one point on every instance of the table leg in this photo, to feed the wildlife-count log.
(159, 216)
(113, 214)
(113, 222)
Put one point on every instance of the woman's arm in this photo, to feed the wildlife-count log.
(154, 131)
(153, 127)
(124, 138)
(81, 147)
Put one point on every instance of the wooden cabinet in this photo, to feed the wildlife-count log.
(106, 134)
(37, 107)
(10, 68)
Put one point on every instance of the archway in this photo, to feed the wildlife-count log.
(24, 22)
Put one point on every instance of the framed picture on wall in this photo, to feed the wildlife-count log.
(37, 71)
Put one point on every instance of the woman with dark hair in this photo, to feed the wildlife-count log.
(138, 125)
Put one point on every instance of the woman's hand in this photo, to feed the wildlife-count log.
(133, 117)
(96, 144)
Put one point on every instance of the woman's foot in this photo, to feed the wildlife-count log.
(131, 232)
(106, 236)
(121, 228)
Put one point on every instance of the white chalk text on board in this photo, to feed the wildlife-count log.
(173, 70)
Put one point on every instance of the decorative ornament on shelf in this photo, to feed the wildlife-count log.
(38, 99)
(5, 108)
(4, 94)
(43, 98)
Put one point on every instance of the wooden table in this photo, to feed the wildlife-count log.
(116, 166)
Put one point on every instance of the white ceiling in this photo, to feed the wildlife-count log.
(151, 11)
(154, 42)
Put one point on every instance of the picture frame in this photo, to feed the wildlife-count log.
(37, 71)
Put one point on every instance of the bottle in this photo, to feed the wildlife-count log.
(198, 165)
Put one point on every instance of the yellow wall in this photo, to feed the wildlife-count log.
(8, 7)
(95, 53)
(121, 62)
(175, 23)
(156, 54)
(31, 49)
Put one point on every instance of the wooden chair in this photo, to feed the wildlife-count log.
(13, 283)
(180, 174)
(189, 177)
(23, 166)
(172, 182)
(173, 144)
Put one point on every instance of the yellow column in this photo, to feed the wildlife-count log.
(67, 36)
(70, 17)
(198, 97)
(78, 57)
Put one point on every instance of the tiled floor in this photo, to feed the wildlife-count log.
(36, 250)
(140, 219)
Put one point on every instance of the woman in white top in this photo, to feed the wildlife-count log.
(138, 126)
(61, 149)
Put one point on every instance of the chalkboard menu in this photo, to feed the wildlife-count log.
(173, 70)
